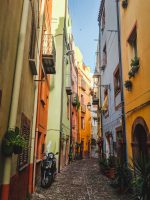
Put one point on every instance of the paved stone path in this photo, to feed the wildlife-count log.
(81, 180)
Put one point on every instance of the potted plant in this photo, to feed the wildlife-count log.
(13, 142)
(123, 177)
(19, 144)
(124, 3)
(135, 61)
(7, 147)
(141, 179)
(128, 85)
(131, 74)
(7, 143)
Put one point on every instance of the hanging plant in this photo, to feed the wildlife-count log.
(13, 142)
(128, 85)
(124, 3)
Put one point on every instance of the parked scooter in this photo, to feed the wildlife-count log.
(48, 170)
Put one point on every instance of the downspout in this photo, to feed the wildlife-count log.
(121, 82)
(101, 117)
(62, 86)
(71, 146)
(15, 93)
(33, 137)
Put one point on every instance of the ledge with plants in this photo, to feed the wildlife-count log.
(13, 142)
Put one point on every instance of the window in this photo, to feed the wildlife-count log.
(67, 107)
(116, 81)
(103, 20)
(132, 40)
(25, 131)
(32, 39)
(82, 99)
(105, 104)
(104, 60)
(82, 123)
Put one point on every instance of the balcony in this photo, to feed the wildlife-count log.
(69, 90)
(49, 54)
(83, 84)
(83, 108)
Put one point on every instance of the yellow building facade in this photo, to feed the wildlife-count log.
(135, 42)
(84, 84)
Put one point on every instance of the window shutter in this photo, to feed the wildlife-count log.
(25, 132)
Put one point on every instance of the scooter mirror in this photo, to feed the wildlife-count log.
(56, 153)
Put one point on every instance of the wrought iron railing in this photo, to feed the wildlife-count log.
(48, 45)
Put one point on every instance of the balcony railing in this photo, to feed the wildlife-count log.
(83, 108)
(83, 84)
(49, 54)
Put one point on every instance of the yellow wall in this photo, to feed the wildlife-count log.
(84, 72)
(136, 13)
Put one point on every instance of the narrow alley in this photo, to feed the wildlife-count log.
(80, 180)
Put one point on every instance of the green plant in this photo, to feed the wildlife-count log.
(7, 147)
(131, 74)
(128, 84)
(123, 177)
(135, 61)
(141, 179)
(13, 142)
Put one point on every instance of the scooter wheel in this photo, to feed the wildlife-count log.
(45, 183)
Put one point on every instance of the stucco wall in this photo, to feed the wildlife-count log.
(136, 14)
(10, 15)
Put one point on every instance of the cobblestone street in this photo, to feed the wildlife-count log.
(81, 180)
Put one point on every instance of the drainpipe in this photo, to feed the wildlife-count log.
(15, 95)
(33, 137)
(121, 82)
(100, 90)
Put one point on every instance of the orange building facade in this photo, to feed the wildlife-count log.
(84, 135)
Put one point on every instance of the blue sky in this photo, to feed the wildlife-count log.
(84, 14)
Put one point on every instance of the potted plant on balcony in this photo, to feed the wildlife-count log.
(128, 85)
(124, 3)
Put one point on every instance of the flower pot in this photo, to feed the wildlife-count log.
(17, 149)
(7, 150)
(124, 3)
(128, 85)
